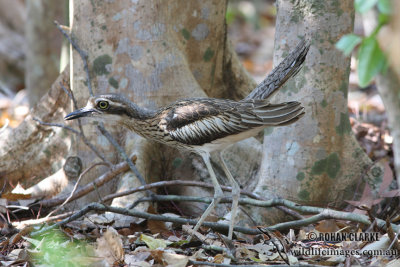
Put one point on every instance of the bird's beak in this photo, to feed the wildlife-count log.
(82, 112)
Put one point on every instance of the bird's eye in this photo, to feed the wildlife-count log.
(102, 105)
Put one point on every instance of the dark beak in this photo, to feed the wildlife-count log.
(82, 112)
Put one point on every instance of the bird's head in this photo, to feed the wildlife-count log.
(108, 107)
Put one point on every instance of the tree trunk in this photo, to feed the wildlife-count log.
(44, 46)
(12, 46)
(388, 82)
(317, 160)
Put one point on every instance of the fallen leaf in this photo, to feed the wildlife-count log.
(175, 260)
(156, 226)
(327, 226)
(154, 243)
(109, 247)
(15, 197)
(219, 258)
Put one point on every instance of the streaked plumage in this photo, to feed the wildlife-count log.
(203, 125)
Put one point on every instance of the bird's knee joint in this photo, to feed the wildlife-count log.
(218, 194)
(236, 191)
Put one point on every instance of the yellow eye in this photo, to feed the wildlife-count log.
(102, 105)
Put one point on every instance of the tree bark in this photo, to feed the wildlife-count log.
(317, 160)
(44, 46)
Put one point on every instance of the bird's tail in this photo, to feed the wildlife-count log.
(279, 114)
(289, 67)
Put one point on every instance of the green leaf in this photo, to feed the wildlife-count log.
(347, 43)
(363, 6)
(255, 259)
(385, 7)
(383, 18)
(371, 60)
(154, 243)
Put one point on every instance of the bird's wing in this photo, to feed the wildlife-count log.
(200, 121)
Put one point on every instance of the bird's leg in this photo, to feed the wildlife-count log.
(235, 195)
(218, 194)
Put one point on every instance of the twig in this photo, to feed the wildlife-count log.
(82, 54)
(75, 187)
(145, 215)
(271, 237)
(83, 136)
(57, 125)
(393, 237)
(192, 183)
(124, 155)
(173, 183)
(322, 213)
(84, 57)
(109, 175)
(79, 134)
(43, 220)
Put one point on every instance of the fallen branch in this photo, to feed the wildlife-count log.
(22, 224)
(174, 183)
(109, 175)
(145, 215)
(71, 195)
(322, 213)
(194, 183)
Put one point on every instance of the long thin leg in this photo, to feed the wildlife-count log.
(235, 194)
(218, 194)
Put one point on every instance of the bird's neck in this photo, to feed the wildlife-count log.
(139, 113)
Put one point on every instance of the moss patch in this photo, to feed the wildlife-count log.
(113, 82)
(344, 126)
(177, 162)
(324, 103)
(99, 64)
(208, 54)
(185, 33)
(304, 195)
(329, 165)
(344, 87)
(300, 176)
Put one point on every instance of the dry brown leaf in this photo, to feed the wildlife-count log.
(109, 247)
(15, 197)
(327, 226)
(18, 236)
(125, 231)
(219, 258)
(157, 255)
(156, 227)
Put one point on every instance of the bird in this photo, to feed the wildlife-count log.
(204, 125)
